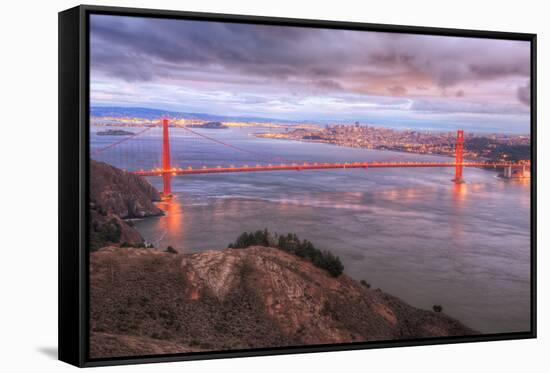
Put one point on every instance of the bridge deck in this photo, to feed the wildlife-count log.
(316, 166)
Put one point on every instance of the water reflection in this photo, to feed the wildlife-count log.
(172, 223)
(459, 193)
(459, 196)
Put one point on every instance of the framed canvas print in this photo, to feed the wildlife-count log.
(239, 186)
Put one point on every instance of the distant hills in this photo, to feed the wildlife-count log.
(146, 113)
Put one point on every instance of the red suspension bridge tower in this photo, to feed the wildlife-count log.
(166, 167)
(459, 157)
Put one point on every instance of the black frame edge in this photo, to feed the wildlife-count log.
(305, 22)
(73, 182)
(168, 358)
(70, 251)
(533, 83)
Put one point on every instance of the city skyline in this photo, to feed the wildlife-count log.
(322, 75)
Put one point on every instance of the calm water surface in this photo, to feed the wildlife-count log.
(410, 232)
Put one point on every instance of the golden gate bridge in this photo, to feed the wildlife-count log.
(167, 170)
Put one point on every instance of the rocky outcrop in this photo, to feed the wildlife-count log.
(121, 193)
(116, 195)
(240, 298)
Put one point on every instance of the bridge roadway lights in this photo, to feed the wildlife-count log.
(180, 172)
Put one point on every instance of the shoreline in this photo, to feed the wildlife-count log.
(259, 135)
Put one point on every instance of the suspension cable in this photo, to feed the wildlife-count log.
(97, 151)
(228, 145)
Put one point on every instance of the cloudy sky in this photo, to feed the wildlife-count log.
(310, 74)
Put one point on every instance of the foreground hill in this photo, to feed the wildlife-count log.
(145, 301)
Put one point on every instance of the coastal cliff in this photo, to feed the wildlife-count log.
(147, 301)
(116, 195)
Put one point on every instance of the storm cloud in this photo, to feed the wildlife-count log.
(288, 69)
(524, 94)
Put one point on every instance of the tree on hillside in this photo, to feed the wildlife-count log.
(290, 243)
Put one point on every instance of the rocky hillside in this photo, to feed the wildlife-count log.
(122, 193)
(116, 195)
(146, 301)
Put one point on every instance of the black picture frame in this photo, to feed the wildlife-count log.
(74, 182)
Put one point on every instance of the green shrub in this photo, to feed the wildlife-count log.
(110, 232)
(139, 245)
(104, 233)
(437, 308)
(171, 250)
(290, 243)
(365, 284)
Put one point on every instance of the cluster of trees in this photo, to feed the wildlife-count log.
(104, 233)
(171, 250)
(293, 245)
(365, 284)
(137, 245)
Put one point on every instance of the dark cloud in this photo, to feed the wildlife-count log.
(502, 68)
(524, 94)
(166, 47)
(468, 107)
(397, 90)
(328, 84)
(136, 49)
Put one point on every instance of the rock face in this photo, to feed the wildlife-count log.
(121, 193)
(239, 298)
(116, 195)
